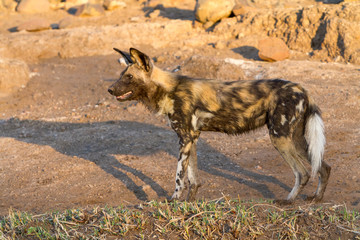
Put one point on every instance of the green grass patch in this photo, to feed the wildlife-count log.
(221, 219)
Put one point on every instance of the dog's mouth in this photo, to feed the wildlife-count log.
(124, 96)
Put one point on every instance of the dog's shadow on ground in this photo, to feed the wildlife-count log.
(99, 142)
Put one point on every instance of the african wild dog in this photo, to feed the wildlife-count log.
(195, 105)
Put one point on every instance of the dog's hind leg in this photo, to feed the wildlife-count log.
(324, 171)
(286, 125)
(287, 149)
(324, 174)
(315, 139)
(323, 181)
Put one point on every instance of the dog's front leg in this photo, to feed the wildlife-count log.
(183, 162)
(192, 173)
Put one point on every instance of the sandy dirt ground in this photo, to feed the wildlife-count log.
(65, 142)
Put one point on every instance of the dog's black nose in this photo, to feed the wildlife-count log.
(111, 91)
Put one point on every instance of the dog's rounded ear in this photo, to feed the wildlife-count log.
(126, 56)
(141, 59)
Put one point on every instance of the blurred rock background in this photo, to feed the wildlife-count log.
(304, 29)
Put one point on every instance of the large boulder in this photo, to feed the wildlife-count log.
(14, 74)
(33, 6)
(34, 25)
(273, 49)
(213, 10)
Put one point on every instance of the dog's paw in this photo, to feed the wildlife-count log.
(192, 192)
(171, 199)
(175, 196)
(313, 199)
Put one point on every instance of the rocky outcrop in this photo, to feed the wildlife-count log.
(332, 31)
(327, 32)
(324, 31)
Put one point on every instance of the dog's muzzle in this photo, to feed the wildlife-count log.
(111, 91)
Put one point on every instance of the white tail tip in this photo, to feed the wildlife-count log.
(315, 137)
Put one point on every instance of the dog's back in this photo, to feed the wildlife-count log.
(239, 106)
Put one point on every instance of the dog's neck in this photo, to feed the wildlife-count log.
(165, 80)
(161, 86)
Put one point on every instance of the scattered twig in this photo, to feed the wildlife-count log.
(348, 230)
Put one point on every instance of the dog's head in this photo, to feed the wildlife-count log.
(133, 81)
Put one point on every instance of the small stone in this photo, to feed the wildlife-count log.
(134, 19)
(36, 24)
(33, 6)
(221, 44)
(90, 10)
(273, 49)
(113, 4)
(160, 59)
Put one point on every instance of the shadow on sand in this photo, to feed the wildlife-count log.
(98, 142)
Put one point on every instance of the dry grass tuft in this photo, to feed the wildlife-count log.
(218, 219)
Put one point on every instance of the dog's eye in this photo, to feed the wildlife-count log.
(130, 76)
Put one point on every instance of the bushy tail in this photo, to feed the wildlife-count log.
(315, 138)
